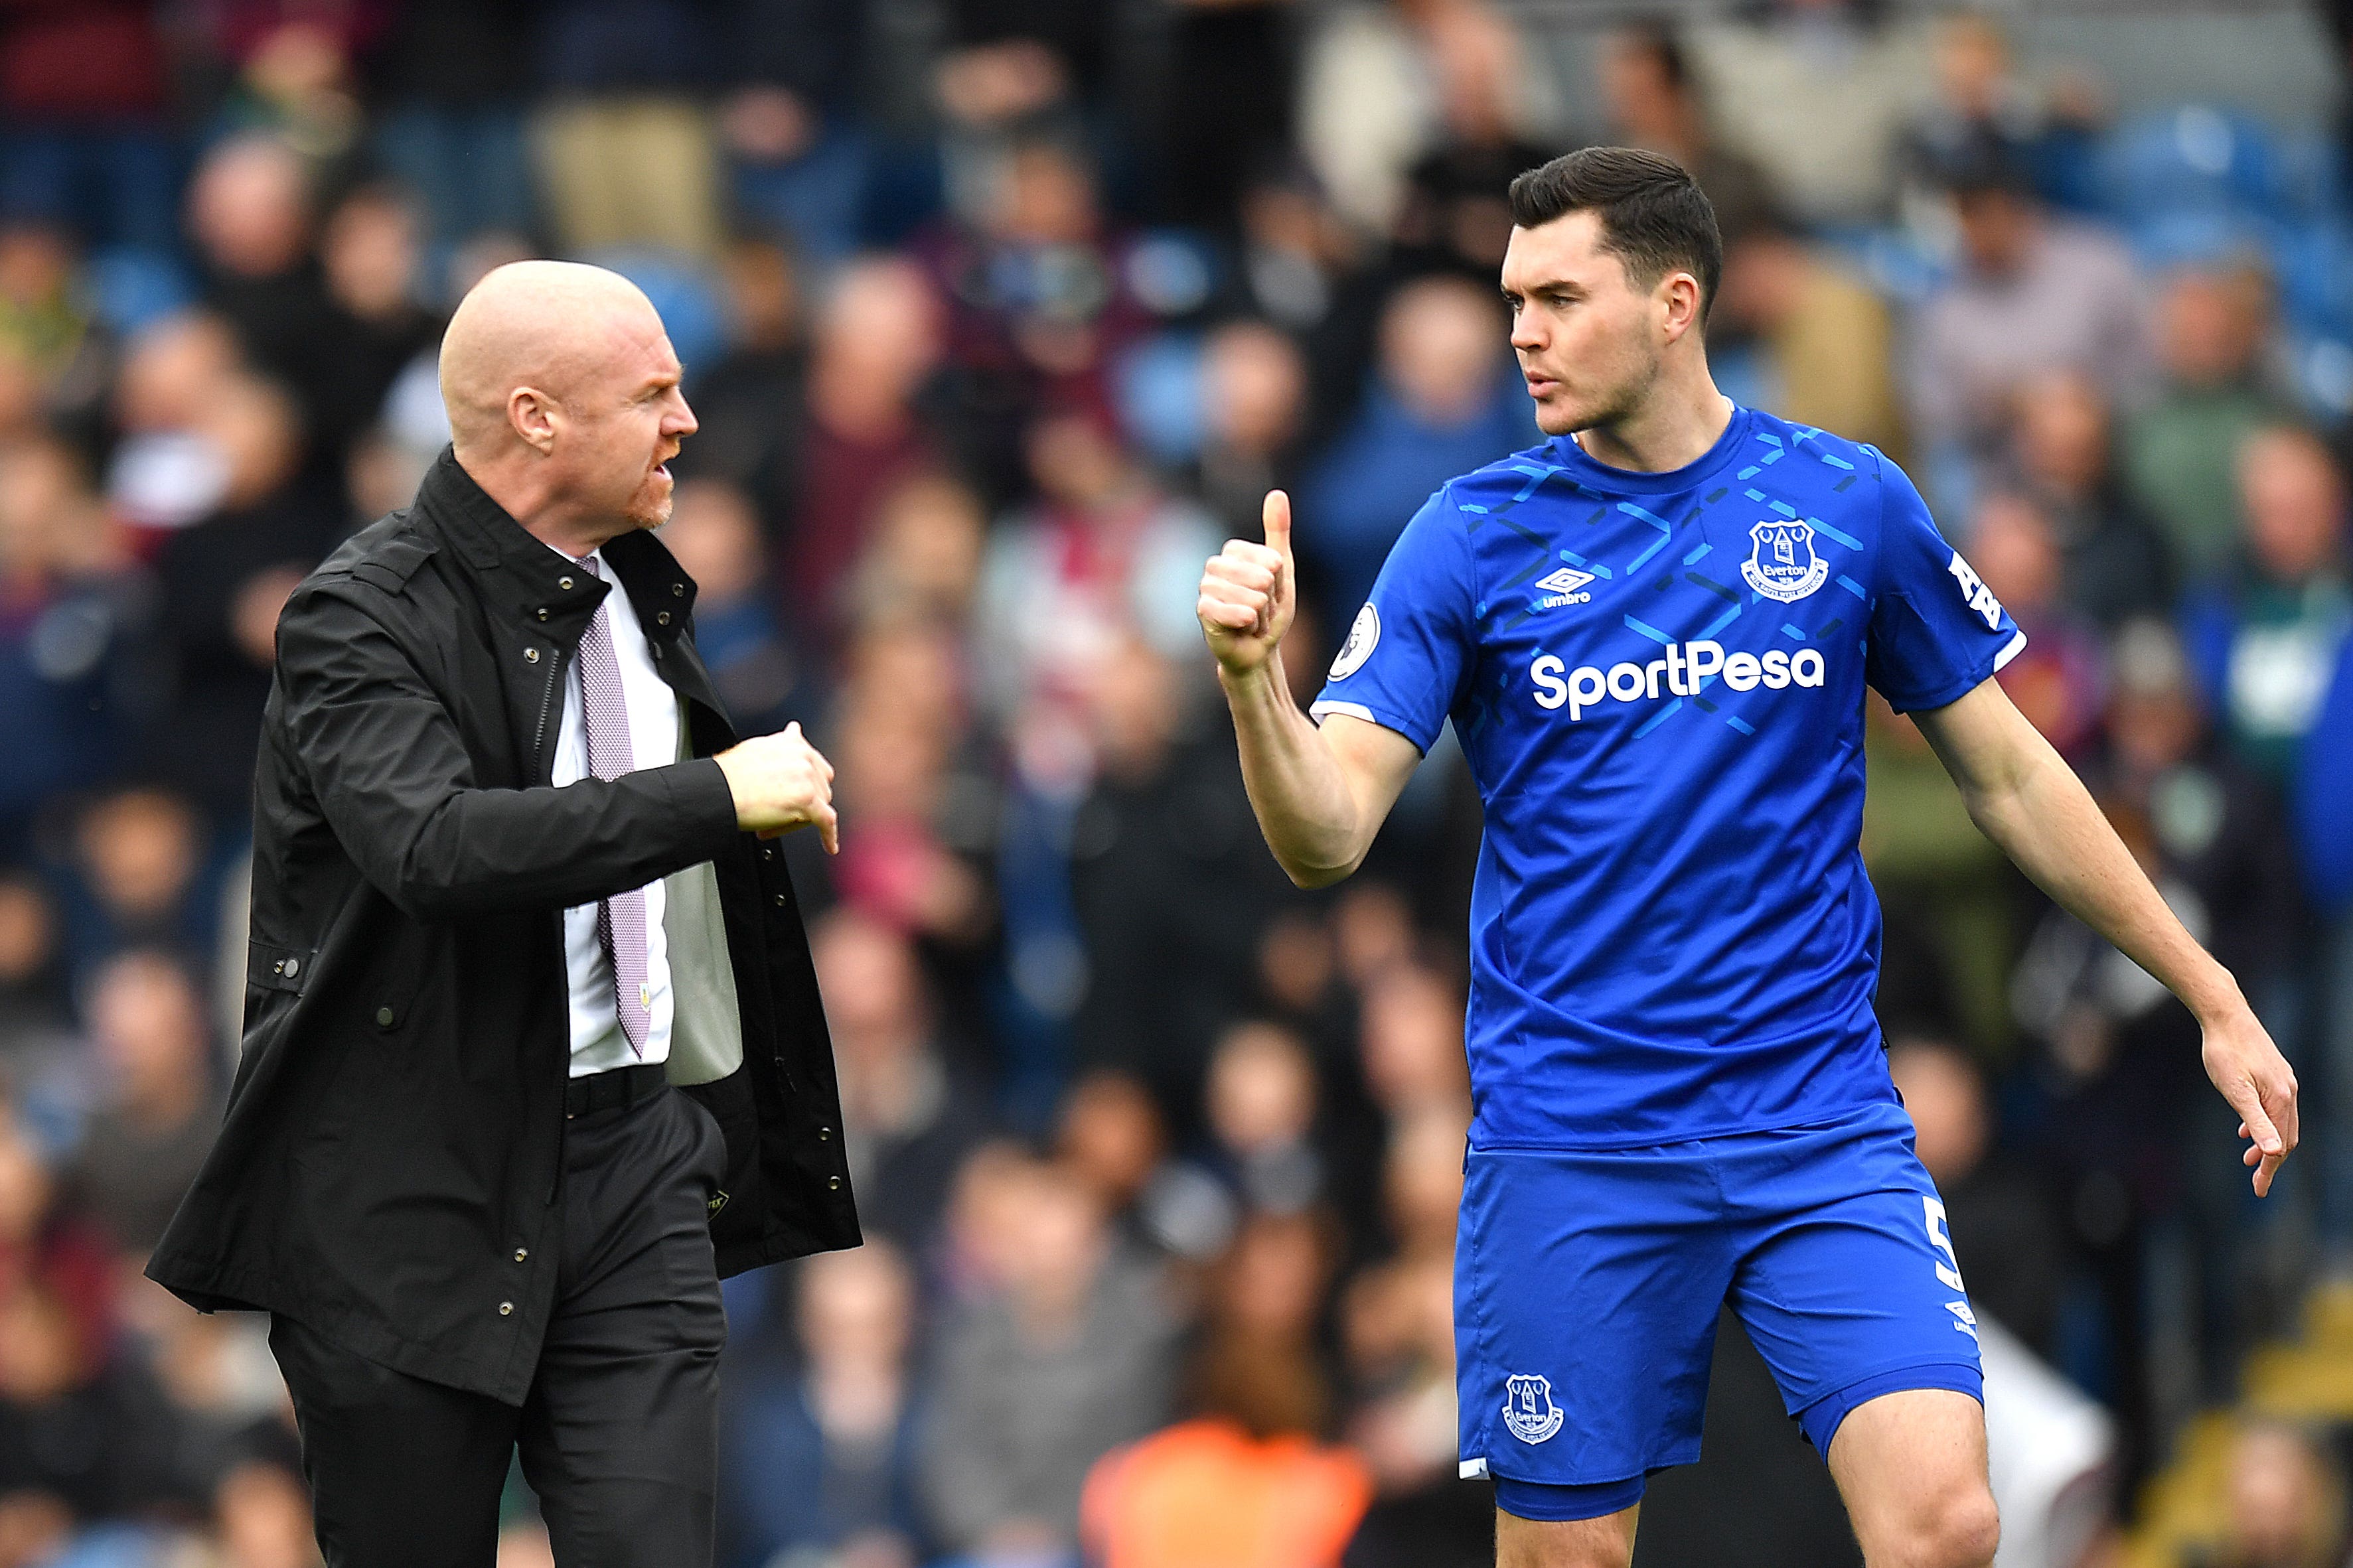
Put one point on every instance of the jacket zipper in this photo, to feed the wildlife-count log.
(547, 704)
(538, 746)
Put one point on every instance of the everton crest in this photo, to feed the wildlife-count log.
(1782, 564)
(1528, 1409)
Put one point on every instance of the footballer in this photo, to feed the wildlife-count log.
(1652, 634)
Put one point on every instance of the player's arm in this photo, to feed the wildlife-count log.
(2029, 803)
(1321, 794)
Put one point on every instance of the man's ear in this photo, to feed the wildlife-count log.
(534, 417)
(1678, 296)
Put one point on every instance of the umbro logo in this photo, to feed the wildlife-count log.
(1566, 586)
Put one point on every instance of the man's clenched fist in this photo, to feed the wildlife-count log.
(1250, 592)
(780, 782)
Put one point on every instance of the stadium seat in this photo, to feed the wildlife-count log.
(2196, 156)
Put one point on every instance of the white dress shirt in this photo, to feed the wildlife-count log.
(597, 1042)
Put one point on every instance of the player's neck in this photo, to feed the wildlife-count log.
(1673, 427)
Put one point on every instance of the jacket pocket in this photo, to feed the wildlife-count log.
(738, 1209)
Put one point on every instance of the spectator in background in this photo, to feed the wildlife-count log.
(1818, 91)
(1381, 87)
(2056, 678)
(2120, 1057)
(165, 471)
(1039, 301)
(159, 1104)
(2285, 1500)
(877, 344)
(1455, 217)
(1981, 101)
(2035, 293)
(715, 535)
(368, 251)
(908, 1126)
(749, 402)
(798, 159)
(55, 354)
(1068, 1355)
(2323, 818)
(221, 582)
(822, 1455)
(2263, 639)
(1297, 262)
(1254, 414)
(2114, 564)
(1102, 556)
(133, 880)
(1654, 105)
(86, 1437)
(1113, 1136)
(85, 96)
(1165, 831)
(2180, 453)
(1999, 1218)
(1947, 898)
(1260, 1116)
(252, 216)
(33, 1014)
(261, 1511)
(1233, 78)
(1242, 1481)
(447, 74)
(917, 858)
(923, 564)
(1446, 402)
(1825, 342)
(70, 624)
(624, 151)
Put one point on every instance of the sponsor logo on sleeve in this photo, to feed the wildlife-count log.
(1362, 637)
(1973, 590)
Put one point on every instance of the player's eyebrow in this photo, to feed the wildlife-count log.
(1549, 286)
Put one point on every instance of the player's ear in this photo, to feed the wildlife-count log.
(1678, 296)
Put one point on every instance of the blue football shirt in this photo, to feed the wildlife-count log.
(1658, 680)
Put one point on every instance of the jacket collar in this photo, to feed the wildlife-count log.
(537, 581)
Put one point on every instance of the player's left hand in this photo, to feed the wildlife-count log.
(2261, 1086)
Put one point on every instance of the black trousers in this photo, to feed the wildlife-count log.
(619, 1433)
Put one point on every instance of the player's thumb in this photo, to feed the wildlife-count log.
(1276, 517)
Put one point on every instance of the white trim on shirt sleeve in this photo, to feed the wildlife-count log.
(2016, 646)
(1353, 709)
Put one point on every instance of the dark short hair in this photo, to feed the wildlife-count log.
(1654, 216)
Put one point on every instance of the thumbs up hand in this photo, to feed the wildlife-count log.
(1250, 592)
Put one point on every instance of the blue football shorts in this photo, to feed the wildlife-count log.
(1587, 1285)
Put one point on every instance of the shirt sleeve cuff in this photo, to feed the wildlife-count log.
(702, 800)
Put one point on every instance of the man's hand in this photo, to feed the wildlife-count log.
(1250, 592)
(2029, 802)
(780, 782)
(2261, 1086)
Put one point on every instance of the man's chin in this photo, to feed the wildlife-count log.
(1554, 419)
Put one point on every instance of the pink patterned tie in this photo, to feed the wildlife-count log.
(621, 918)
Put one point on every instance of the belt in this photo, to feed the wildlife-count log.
(621, 1086)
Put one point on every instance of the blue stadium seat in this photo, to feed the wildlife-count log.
(688, 297)
(2313, 266)
(2196, 156)
(131, 288)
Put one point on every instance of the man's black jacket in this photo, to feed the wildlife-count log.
(387, 1171)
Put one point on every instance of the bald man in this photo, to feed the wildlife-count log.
(533, 1053)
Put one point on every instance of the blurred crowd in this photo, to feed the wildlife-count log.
(998, 316)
